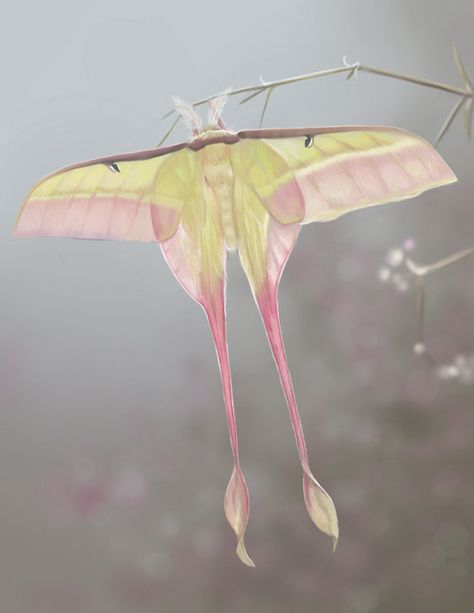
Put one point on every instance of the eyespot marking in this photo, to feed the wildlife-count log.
(113, 167)
(308, 141)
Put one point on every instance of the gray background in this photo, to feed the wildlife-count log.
(114, 454)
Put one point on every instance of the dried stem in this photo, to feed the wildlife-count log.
(468, 119)
(449, 119)
(263, 86)
(265, 106)
(466, 95)
(420, 308)
(420, 272)
(173, 126)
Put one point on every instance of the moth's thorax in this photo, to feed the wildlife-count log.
(211, 132)
(219, 178)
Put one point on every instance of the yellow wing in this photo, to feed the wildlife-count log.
(135, 196)
(310, 174)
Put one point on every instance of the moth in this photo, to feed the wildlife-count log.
(249, 192)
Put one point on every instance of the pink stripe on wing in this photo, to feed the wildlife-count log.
(31, 219)
(163, 219)
(97, 218)
(363, 179)
(96, 222)
(394, 175)
(54, 213)
(367, 177)
(123, 216)
(423, 155)
(286, 204)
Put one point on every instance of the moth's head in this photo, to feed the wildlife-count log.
(193, 121)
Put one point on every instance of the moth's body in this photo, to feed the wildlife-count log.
(218, 176)
(248, 191)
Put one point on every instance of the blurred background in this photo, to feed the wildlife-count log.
(114, 453)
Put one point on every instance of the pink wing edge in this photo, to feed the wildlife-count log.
(127, 212)
(115, 217)
(340, 186)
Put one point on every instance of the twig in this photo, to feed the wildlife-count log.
(420, 309)
(270, 84)
(461, 69)
(468, 119)
(247, 98)
(420, 272)
(173, 126)
(265, 106)
(466, 95)
(449, 120)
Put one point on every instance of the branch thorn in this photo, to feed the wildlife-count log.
(462, 71)
(355, 68)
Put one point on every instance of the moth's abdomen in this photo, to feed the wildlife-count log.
(219, 177)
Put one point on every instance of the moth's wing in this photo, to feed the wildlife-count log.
(317, 174)
(264, 248)
(196, 255)
(196, 252)
(136, 196)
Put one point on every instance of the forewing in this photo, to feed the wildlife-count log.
(130, 197)
(311, 174)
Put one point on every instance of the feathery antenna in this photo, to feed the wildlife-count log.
(216, 106)
(191, 118)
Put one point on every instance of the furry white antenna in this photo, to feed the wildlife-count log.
(191, 119)
(216, 105)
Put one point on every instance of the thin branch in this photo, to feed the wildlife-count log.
(449, 120)
(417, 80)
(468, 119)
(265, 106)
(173, 126)
(247, 98)
(420, 308)
(420, 272)
(351, 70)
(271, 84)
(461, 69)
(261, 87)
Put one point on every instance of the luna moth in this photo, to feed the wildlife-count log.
(250, 192)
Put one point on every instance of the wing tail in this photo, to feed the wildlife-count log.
(197, 257)
(264, 247)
